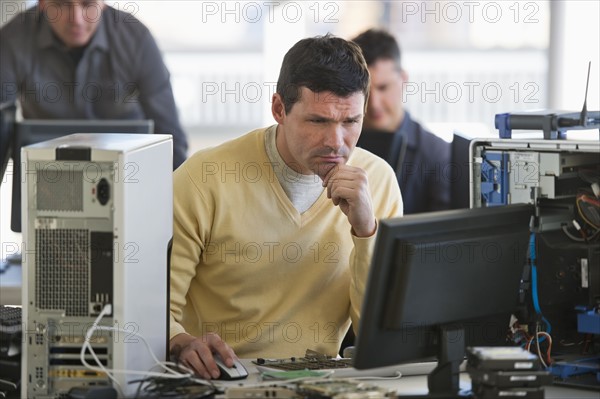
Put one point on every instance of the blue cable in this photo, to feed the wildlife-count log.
(534, 290)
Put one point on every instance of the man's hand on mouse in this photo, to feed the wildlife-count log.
(199, 354)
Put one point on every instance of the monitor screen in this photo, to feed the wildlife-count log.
(434, 277)
(33, 131)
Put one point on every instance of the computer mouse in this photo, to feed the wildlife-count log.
(237, 372)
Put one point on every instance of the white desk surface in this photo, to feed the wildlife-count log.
(417, 385)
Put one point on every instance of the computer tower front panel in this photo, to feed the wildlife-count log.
(97, 216)
(69, 260)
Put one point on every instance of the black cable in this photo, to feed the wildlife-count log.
(186, 388)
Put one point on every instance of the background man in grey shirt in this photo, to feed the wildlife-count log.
(68, 59)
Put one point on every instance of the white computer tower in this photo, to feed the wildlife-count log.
(97, 221)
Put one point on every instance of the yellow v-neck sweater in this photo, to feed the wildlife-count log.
(246, 265)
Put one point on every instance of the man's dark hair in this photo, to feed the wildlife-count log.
(322, 63)
(377, 44)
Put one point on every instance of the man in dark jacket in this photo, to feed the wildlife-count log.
(420, 158)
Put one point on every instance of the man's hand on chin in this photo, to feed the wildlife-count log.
(348, 188)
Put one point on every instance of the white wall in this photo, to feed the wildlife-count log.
(575, 42)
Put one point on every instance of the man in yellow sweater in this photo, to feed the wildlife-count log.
(274, 231)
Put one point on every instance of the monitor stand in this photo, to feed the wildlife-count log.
(443, 381)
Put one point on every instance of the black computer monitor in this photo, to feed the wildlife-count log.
(461, 165)
(7, 122)
(33, 131)
(433, 277)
